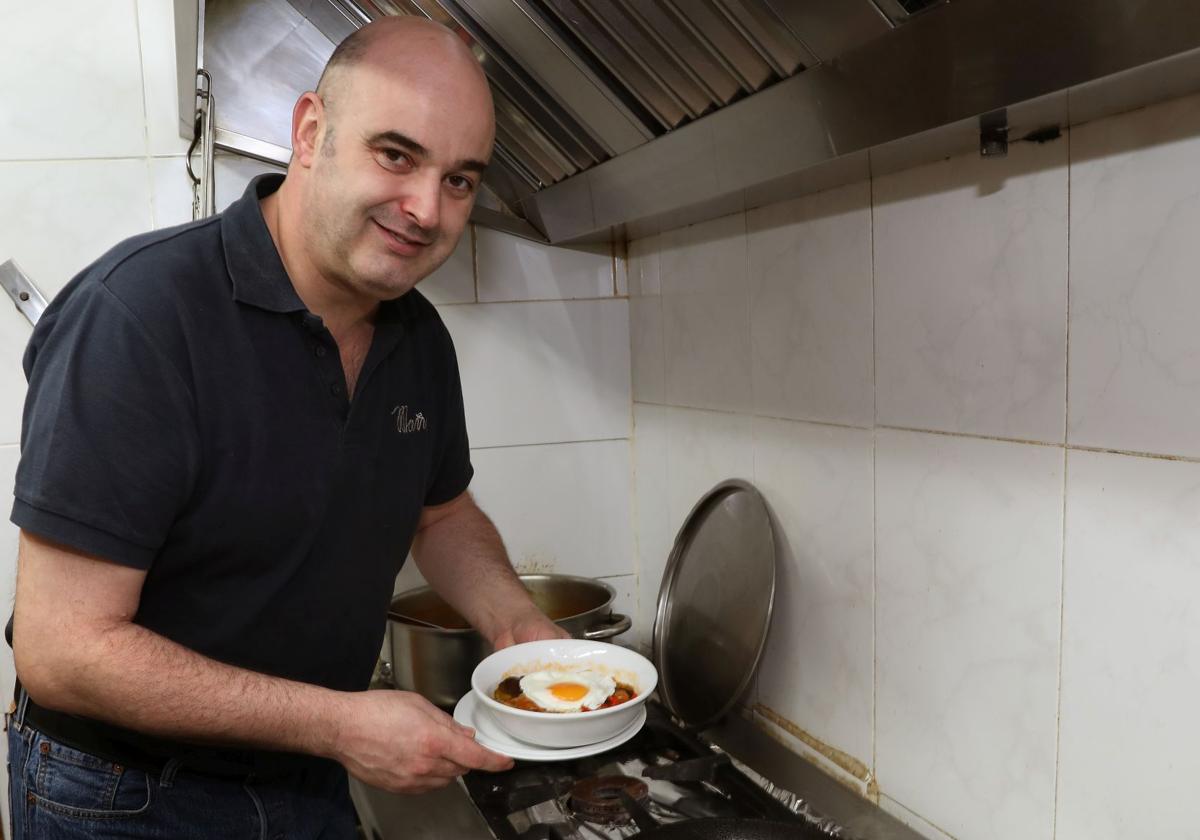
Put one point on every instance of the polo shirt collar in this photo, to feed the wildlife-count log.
(255, 266)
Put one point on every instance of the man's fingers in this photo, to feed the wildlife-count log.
(463, 750)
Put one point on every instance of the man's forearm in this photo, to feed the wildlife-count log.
(132, 677)
(462, 556)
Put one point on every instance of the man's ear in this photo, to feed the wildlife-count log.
(308, 117)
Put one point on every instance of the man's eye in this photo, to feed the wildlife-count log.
(395, 156)
(460, 182)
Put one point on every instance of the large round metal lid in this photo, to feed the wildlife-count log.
(714, 606)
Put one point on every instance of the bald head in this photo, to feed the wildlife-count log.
(411, 49)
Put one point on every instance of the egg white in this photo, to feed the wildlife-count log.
(536, 686)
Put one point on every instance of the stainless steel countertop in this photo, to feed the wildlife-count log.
(824, 794)
(450, 813)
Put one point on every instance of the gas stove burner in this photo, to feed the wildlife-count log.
(599, 799)
(702, 769)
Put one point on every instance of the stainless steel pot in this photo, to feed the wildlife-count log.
(437, 662)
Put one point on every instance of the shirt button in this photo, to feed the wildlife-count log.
(335, 389)
(320, 351)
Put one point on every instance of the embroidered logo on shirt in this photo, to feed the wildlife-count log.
(405, 423)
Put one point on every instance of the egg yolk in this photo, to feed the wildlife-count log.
(568, 691)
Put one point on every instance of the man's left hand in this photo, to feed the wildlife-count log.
(532, 627)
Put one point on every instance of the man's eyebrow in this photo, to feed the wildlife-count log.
(409, 144)
(400, 140)
(470, 165)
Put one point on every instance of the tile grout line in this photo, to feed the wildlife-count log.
(97, 159)
(540, 443)
(1062, 569)
(474, 264)
(1062, 611)
(749, 287)
(1076, 447)
(604, 299)
(874, 491)
(137, 28)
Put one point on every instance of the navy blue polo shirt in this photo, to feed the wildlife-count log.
(188, 416)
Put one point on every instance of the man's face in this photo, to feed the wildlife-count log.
(389, 197)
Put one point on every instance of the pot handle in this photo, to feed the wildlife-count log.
(613, 624)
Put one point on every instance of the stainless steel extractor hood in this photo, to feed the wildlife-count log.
(616, 117)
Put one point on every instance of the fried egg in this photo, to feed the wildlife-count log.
(567, 691)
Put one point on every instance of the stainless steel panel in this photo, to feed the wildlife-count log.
(509, 115)
(262, 55)
(439, 815)
(636, 62)
(332, 19)
(1157, 81)
(774, 42)
(674, 43)
(934, 74)
(518, 29)
(231, 141)
(821, 792)
(830, 28)
(725, 42)
(508, 77)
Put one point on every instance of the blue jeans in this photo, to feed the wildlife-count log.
(59, 793)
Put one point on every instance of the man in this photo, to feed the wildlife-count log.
(234, 431)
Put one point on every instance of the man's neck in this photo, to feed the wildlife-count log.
(342, 312)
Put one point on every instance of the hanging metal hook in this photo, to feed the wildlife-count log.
(203, 130)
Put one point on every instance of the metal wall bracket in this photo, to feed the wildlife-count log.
(25, 296)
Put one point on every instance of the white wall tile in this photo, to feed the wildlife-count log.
(70, 81)
(234, 173)
(561, 509)
(14, 335)
(621, 269)
(913, 821)
(454, 282)
(646, 321)
(173, 186)
(172, 191)
(652, 531)
(512, 268)
(1135, 349)
(818, 669)
(704, 448)
(156, 31)
(706, 325)
(968, 559)
(1131, 660)
(9, 456)
(625, 603)
(970, 294)
(58, 217)
(811, 307)
(543, 372)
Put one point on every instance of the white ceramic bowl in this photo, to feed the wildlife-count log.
(564, 729)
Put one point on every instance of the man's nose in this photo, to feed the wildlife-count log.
(422, 201)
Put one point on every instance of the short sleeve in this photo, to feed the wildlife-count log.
(109, 448)
(453, 471)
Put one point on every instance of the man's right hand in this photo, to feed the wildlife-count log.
(399, 741)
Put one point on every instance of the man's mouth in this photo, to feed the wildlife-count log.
(403, 242)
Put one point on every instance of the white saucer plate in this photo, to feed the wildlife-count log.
(470, 712)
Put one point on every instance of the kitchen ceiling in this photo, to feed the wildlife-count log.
(615, 116)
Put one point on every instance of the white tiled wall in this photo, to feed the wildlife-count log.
(988, 566)
(90, 154)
